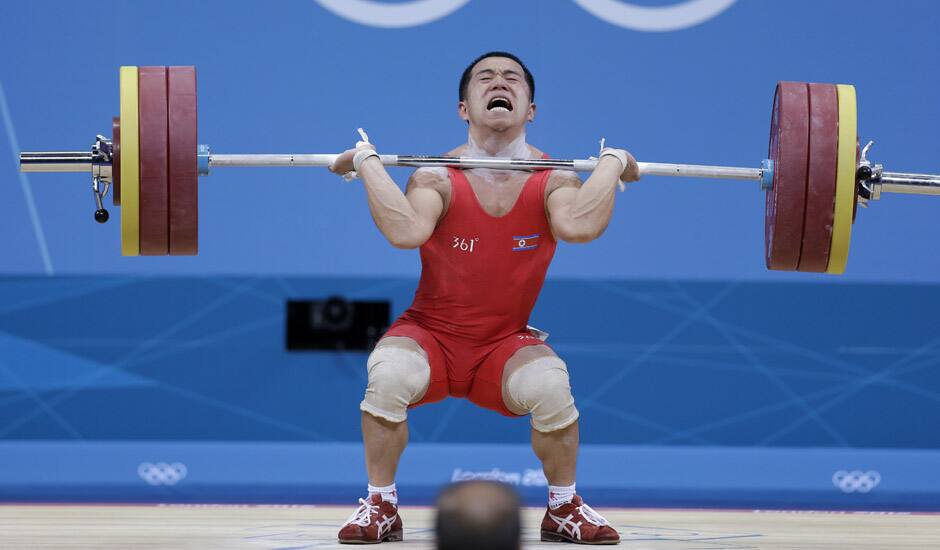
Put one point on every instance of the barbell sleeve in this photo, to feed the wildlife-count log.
(56, 161)
(909, 184)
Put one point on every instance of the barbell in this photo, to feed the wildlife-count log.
(814, 177)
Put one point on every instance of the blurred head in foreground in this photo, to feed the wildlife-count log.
(478, 515)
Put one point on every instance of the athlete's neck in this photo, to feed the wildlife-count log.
(497, 145)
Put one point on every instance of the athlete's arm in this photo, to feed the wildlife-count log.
(405, 219)
(580, 213)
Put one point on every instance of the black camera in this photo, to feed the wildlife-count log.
(335, 324)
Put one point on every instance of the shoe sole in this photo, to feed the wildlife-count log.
(549, 536)
(393, 536)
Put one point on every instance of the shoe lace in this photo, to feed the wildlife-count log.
(589, 514)
(363, 516)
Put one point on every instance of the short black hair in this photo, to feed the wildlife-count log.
(476, 515)
(465, 77)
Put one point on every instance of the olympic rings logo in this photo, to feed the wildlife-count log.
(856, 481)
(681, 15)
(162, 473)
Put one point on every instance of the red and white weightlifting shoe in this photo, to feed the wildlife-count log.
(576, 522)
(375, 521)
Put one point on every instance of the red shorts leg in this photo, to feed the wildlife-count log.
(437, 387)
(487, 388)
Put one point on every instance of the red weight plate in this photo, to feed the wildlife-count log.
(116, 160)
(184, 178)
(821, 183)
(786, 200)
(154, 231)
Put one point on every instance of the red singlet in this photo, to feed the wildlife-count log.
(480, 277)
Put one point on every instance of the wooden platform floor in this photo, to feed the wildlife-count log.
(296, 527)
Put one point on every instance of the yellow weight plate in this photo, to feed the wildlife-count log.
(845, 180)
(130, 164)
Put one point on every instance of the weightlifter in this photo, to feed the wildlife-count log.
(486, 239)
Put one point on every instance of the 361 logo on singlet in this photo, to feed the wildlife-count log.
(465, 245)
(525, 242)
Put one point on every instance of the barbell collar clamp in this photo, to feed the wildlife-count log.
(767, 174)
(202, 159)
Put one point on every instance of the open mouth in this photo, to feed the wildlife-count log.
(499, 104)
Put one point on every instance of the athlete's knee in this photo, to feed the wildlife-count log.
(398, 377)
(542, 389)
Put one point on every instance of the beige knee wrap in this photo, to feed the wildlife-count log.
(541, 388)
(397, 378)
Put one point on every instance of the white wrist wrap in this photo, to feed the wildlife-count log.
(619, 155)
(362, 155)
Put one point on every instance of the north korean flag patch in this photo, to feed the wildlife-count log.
(525, 242)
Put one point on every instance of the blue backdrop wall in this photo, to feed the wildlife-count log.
(697, 371)
(728, 393)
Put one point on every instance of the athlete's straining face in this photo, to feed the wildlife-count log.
(497, 96)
